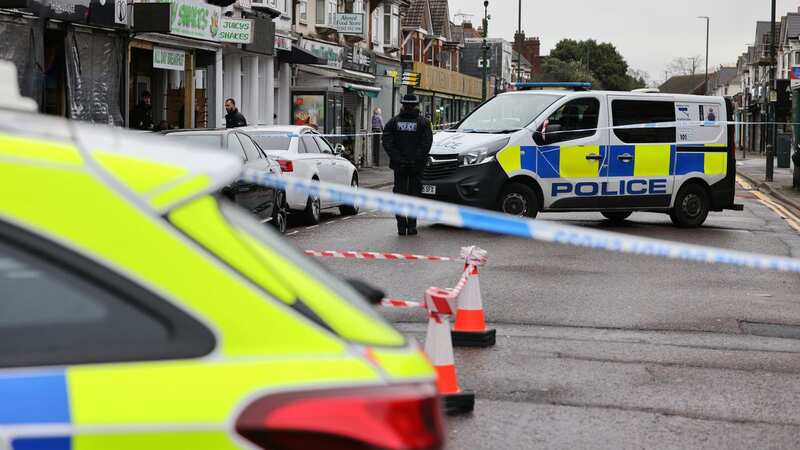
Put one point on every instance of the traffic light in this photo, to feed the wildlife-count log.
(411, 79)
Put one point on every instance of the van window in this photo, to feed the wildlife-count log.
(632, 112)
(574, 120)
(507, 112)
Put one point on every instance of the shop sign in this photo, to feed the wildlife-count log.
(193, 19)
(93, 12)
(121, 12)
(330, 53)
(283, 43)
(169, 59)
(349, 23)
(357, 58)
(237, 31)
(794, 76)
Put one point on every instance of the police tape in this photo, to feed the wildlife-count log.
(378, 255)
(539, 230)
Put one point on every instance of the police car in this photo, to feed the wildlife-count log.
(138, 310)
(546, 148)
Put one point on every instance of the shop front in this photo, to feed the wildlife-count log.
(446, 96)
(336, 98)
(70, 55)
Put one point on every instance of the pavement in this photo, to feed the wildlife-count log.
(607, 350)
(753, 168)
(375, 177)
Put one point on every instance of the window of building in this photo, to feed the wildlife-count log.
(632, 112)
(391, 25)
(325, 12)
(302, 11)
(376, 34)
(797, 57)
(409, 48)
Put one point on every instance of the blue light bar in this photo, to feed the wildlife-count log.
(565, 85)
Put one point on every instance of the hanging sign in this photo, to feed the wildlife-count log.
(194, 19)
(169, 59)
(237, 31)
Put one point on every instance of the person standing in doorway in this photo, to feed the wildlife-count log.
(407, 139)
(143, 113)
(377, 129)
(233, 118)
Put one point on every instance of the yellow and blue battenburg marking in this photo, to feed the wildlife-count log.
(647, 160)
(39, 398)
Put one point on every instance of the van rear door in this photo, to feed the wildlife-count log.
(641, 159)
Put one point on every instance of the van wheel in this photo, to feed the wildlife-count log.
(616, 216)
(691, 207)
(518, 199)
(350, 210)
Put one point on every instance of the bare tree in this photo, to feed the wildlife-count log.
(685, 65)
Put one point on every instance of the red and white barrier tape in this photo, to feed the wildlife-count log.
(400, 303)
(378, 255)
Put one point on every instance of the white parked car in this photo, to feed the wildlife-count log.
(302, 152)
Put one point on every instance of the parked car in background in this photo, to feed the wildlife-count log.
(302, 152)
(267, 203)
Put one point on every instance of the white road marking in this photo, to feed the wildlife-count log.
(347, 218)
(292, 233)
(312, 226)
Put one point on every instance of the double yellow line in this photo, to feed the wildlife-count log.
(792, 219)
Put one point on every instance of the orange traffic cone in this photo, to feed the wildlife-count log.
(470, 327)
(439, 348)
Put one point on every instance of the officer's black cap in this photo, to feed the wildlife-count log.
(410, 99)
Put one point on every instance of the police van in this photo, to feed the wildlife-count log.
(556, 150)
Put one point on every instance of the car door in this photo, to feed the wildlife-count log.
(641, 159)
(340, 171)
(571, 153)
(313, 155)
(262, 197)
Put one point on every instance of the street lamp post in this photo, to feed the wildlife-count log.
(520, 45)
(708, 27)
(485, 47)
(773, 129)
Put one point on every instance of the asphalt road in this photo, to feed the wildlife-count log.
(605, 350)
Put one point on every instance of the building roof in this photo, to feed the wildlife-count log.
(515, 56)
(792, 26)
(440, 16)
(470, 31)
(418, 15)
(456, 33)
(684, 84)
(722, 77)
(762, 28)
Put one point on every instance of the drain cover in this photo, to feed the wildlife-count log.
(771, 329)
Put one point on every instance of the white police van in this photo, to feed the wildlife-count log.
(580, 150)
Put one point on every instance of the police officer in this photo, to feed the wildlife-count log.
(407, 139)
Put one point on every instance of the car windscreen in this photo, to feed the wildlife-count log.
(506, 113)
(272, 141)
(203, 140)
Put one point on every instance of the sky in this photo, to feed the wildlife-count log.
(649, 34)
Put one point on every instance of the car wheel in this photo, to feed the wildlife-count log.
(616, 216)
(518, 199)
(280, 217)
(312, 211)
(691, 207)
(350, 210)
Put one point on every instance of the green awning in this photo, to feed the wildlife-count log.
(369, 91)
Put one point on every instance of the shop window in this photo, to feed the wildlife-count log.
(325, 12)
(633, 112)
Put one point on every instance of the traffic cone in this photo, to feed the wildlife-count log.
(470, 327)
(439, 348)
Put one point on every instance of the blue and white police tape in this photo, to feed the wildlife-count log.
(494, 222)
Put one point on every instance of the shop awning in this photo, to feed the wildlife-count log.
(358, 76)
(299, 56)
(369, 91)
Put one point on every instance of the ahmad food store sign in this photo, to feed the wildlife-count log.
(203, 21)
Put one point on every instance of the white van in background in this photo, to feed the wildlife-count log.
(614, 152)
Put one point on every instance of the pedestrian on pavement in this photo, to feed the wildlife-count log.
(407, 139)
(377, 129)
(234, 118)
(143, 113)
